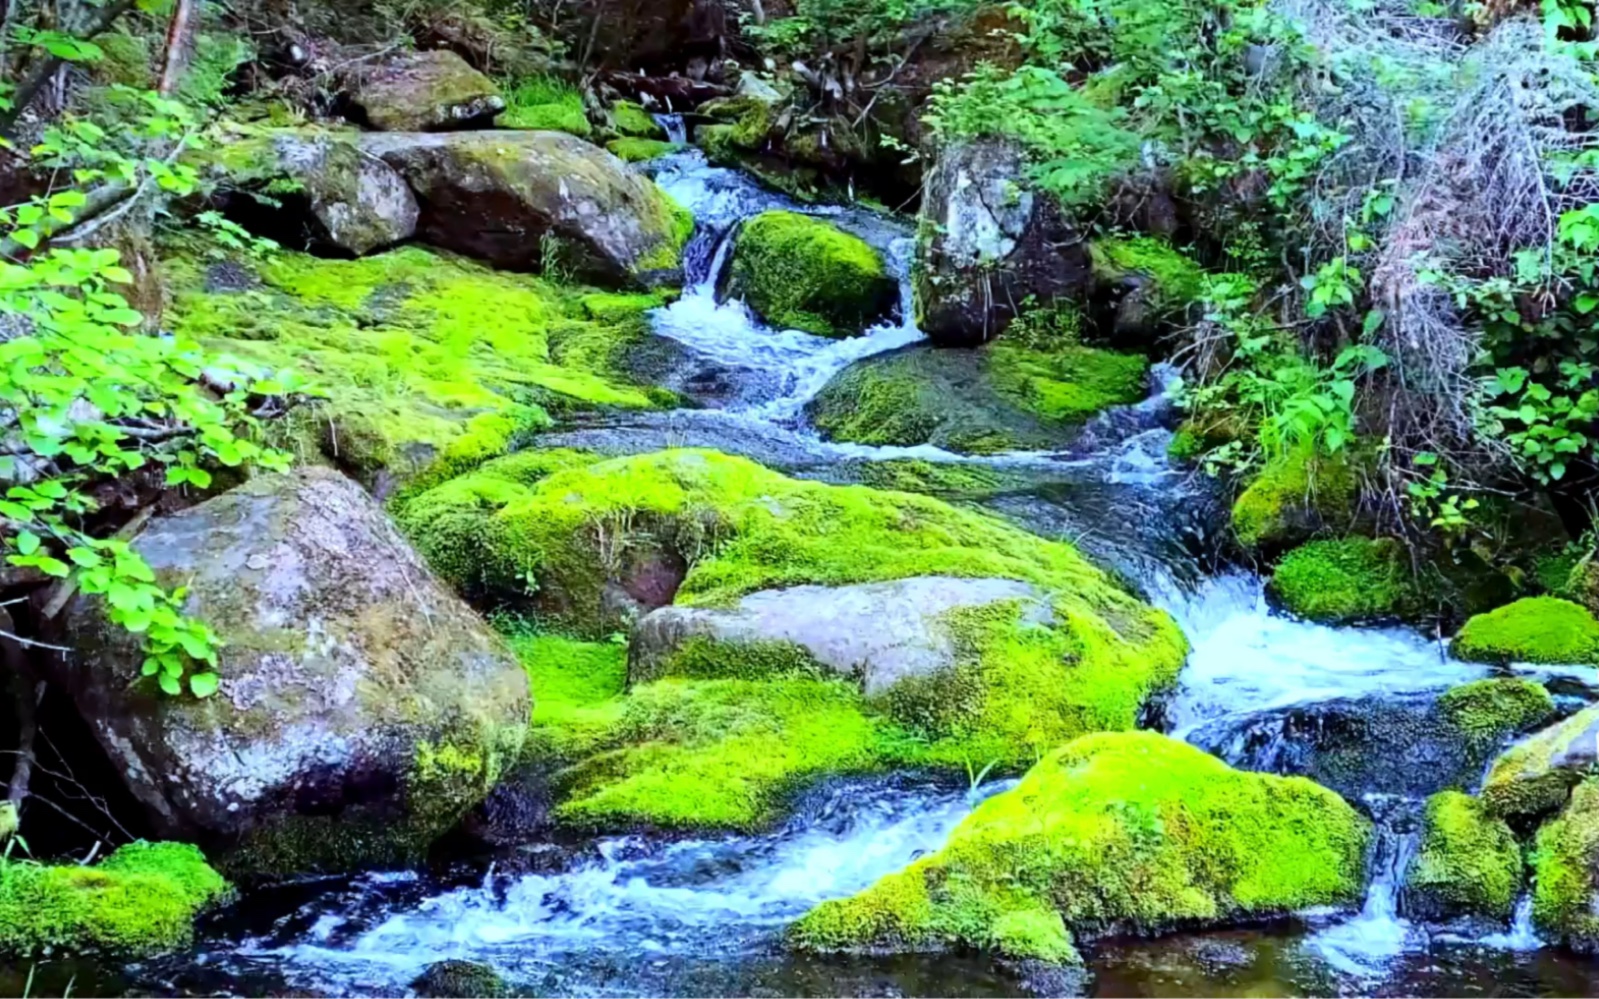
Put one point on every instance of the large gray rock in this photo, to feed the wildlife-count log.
(877, 633)
(993, 245)
(363, 708)
(1535, 775)
(498, 195)
(424, 92)
(314, 189)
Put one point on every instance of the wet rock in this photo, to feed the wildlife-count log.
(1468, 863)
(426, 91)
(459, 980)
(1565, 860)
(801, 273)
(1534, 776)
(362, 710)
(1150, 289)
(520, 199)
(994, 245)
(1532, 630)
(311, 189)
(876, 633)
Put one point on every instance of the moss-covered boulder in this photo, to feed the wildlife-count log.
(545, 104)
(530, 200)
(1487, 712)
(630, 119)
(631, 150)
(1534, 776)
(1292, 498)
(140, 901)
(1122, 831)
(1531, 630)
(362, 708)
(459, 980)
(802, 273)
(311, 189)
(423, 91)
(1007, 396)
(1150, 286)
(1468, 864)
(429, 363)
(1565, 864)
(1346, 579)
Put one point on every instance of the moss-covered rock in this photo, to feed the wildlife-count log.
(1534, 776)
(1531, 630)
(1487, 712)
(545, 103)
(459, 980)
(633, 150)
(1565, 864)
(630, 119)
(1344, 580)
(429, 363)
(1292, 498)
(1153, 286)
(1006, 396)
(1128, 831)
(1468, 864)
(801, 273)
(140, 901)
(422, 92)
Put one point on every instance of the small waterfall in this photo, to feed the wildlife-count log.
(1521, 936)
(1366, 944)
(672, 124)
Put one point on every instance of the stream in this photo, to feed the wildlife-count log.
(630, 917)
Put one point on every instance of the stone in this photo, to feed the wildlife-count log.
(424, 92)
(993, 245)
(1565, 863)
(362, 708)
(1468, 863)
(877, 633)
(459, 980)
(1534, 776)
(798, 272)
(515, 199)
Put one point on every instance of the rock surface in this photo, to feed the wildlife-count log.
(878, 633)
(802, 273)
(503, 196)
(995, 244)
(362, 707)
(1534, 776)
(425, 92)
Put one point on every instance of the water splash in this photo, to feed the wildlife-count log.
(1367, 944)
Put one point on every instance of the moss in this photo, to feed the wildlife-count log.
(1201, 434)
(1126, 830)
(935, 478)
(1347, 579)
(744, 124)
(459, 980)
(420, 355)
(1534, 776)
(545, 103)
(1555, 571)
(141, 900)
(1178, 281)
(800, 273)
(1292, 496)
(1468, 864)
(633, 121)
(1066, 384)
(640, 150)
(1531, 630)
(1565, 863)
(577, 691)
(1487, 712)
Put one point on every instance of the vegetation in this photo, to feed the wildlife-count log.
(1487, 712)
(1531, 630)
(1469, 863)
(1564, 863)
(1344, 580)
(802, 273)
(545, 103)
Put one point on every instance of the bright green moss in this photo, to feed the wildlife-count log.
(1126, 830)
(801, 273)
(545, 103)
(1292, 496)
(1177, 279)
(418, 353)
(1343, 580)
(746, 122)
(577, 692)
(1565, 863)
(1066, 384)
(632, 150)
(141, 900)
(1487, 712)
(633, 121)
(1535, 775)
(935, 478)
(1469, 863)
(1531, 630)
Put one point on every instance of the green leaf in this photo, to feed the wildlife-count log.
(170, 685)
(27, 542)
(204, 684)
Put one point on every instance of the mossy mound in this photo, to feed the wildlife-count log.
(1130, 831)
(1565, 863)
(630, 119)
(1002, 397)
(801, 273)
(459, 980)
(634, 150)
(1469, 863)
(1344, 580)
(1534, 776)
(421, 356)
(141, 900)
(1531, 630)
(1154, 284)
(1487, 712)
(545, 104)
(1291, 498)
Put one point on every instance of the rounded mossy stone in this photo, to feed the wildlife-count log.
(459, 980)
(1486, 712)
(1535, 775)
(801, 273)
(1468, 864)
(631, 120)
(1345, 579)
(1125, 831)
(1291, 498)
(633, 150)
(1565, 863)
(140, 901)
(1544, 630)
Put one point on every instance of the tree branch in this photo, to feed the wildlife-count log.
(179, 35)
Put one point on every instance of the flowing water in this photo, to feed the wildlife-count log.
(628, 917)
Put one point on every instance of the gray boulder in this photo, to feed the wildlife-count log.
(363, 708)
(513, 198)
(876, 633)
(994, 245)
(1537, 774)
(424, 92)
